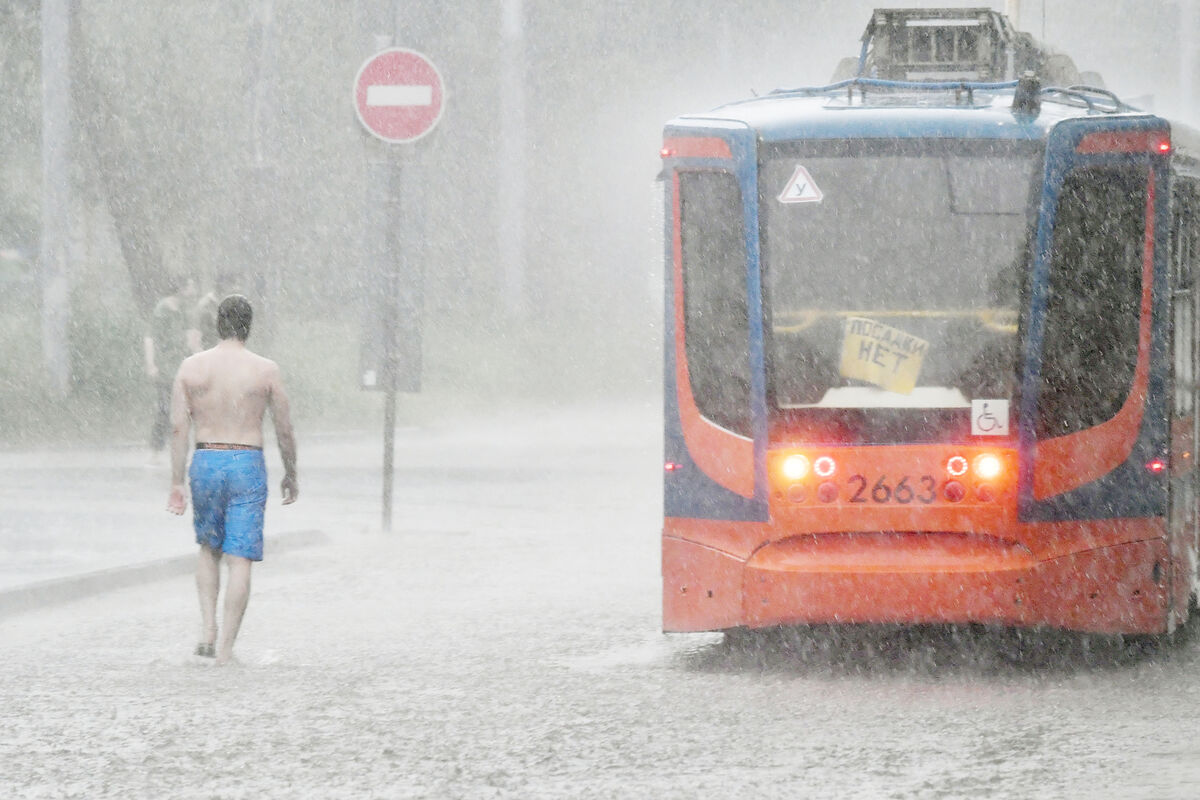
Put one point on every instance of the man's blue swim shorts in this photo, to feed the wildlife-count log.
(229, 497)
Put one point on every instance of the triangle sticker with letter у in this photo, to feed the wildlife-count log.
(801, 188)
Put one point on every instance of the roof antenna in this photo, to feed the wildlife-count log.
(1027, 99)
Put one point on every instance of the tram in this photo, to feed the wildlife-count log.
(931, 349)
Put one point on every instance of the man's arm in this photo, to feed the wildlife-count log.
(148, 353)
(282, 416)
(180, 428)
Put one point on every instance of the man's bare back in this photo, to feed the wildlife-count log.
(225, 392)
(228, 389)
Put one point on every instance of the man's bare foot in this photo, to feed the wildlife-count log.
(207, 647)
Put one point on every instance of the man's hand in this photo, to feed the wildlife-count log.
(177, 500)
(289, 489)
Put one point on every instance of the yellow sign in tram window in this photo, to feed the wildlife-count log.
(880, 354)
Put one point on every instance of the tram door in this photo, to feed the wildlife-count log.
(1185, 424)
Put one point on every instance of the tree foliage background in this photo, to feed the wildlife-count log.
(168, 180)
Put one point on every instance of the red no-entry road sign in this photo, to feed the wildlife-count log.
(398, 95)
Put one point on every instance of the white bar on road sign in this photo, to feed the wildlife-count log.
(384, 95)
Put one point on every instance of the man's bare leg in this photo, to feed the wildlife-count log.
(237, 594)
(208, 583)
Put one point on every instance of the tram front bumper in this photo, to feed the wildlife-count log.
(913, 579)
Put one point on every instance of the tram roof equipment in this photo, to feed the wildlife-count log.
(937, 44)
(932, 64)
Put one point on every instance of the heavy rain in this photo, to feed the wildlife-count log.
(468, 599)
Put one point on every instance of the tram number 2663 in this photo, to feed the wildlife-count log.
(907, 490)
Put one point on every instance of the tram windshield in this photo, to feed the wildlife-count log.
(894, 271)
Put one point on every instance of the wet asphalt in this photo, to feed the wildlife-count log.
(503, 641)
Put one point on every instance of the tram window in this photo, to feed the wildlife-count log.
(717, 329)
(968, 45)
(984, 185)
(928, 238)
(1188, 218)
(1185, 247)
(1183, 234)
(1183, 303)
(944, 45)
(1089, 353)
(920, 45)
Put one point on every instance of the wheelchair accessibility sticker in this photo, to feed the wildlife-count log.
(989, 418)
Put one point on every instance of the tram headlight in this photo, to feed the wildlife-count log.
(956, 466)
(795, 467)
(988, 466)
(824, 466)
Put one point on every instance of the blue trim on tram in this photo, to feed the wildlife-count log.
(1130, 490)
(687, 491)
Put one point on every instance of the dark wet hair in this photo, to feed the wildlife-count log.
(234, 316)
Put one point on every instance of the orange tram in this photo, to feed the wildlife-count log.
(931, 357)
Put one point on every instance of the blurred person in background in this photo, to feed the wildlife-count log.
(225, 392)
(164, 346)
(203, 331)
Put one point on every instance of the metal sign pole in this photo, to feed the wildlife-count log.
(389, 452)
(510, 171)
(1189, 60)
(394, 240)
(54, 258)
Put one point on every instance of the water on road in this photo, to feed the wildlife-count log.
(503, 641)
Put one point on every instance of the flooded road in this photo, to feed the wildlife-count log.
(503, 641)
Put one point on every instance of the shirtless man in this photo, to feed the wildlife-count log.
(224, 392)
